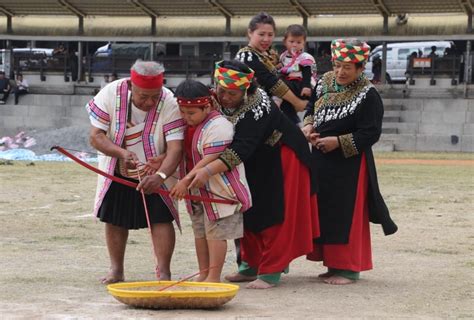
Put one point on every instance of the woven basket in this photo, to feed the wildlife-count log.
(184, 295)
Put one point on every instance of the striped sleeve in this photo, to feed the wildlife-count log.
(218, 136)
(173, 127)
(98, 108)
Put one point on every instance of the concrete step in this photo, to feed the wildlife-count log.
(402, 127)
(430, 142)
(391, 119)
(46, 100)
(392, 107)
(392, 113)
(390, 130)
(384, 146)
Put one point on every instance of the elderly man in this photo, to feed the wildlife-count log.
(137, 127)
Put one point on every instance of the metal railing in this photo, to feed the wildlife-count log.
(187, 66)
(435, 67)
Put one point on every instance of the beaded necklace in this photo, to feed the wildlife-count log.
(338, 88)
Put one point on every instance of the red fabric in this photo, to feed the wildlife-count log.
(188, 147)
(194, 102)
(146, 82)
(274, 248)
(357, 254)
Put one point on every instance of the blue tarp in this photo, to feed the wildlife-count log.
(28, 155)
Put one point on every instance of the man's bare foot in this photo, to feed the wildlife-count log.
(259, 284)
(326, 274)
(112, 277)
(164, 276)
(338, 280)
(237, 277)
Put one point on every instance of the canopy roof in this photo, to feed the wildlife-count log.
(230, 7)
(122, 20)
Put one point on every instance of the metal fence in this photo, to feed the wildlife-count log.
(188, 66)
(436, 67)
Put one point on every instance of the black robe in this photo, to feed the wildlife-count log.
(266, 73)
(354, 115)
(260, 129)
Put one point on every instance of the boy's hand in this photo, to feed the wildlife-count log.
(199, 178)
(306, 92)
(179, 190)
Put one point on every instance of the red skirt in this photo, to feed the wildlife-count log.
(357, 254)
(272, 249)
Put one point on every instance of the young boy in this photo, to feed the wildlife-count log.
(208, 133)
(298, 68)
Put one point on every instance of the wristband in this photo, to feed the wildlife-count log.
(162, 175)
(209, 172)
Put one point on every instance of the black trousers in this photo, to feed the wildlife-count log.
(18, 93)
(5, 96)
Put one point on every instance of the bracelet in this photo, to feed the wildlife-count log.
(209, 172)
(162, 175)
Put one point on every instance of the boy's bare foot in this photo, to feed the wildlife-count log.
(237, 277)
(201, 278)
(259, 284)
(213, 280)
(338, 280)
(112, 277)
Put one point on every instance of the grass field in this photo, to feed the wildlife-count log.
(52, 251)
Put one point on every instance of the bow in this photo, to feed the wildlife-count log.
(133, 184)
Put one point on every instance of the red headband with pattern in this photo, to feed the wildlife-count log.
(194, 102)
(146, 82)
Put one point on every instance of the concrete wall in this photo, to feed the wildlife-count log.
(409, 124)
(41, 112)
(431, 124)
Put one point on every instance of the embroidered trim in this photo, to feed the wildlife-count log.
(274, 138)
(348, 145)
(258, 103)
(230, 158)
(279, 89)
(333, 104)
(308, 120)
(246, 54)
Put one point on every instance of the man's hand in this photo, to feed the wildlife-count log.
(130, 159)
(153, 164)
(326, 144)
(150, 183)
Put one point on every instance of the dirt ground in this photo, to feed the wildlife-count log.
(52, 252)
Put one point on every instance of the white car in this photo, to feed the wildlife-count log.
(398, 54)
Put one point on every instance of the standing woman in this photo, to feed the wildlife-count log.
(342, 122)
(258, 56)
(283, 221)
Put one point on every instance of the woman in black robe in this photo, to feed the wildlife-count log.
(282, 222)
(343, 121)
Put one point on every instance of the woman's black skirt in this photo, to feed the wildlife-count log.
(123, 206)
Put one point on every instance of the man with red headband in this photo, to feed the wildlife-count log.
(137, 127)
